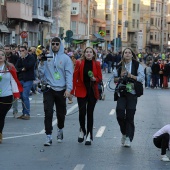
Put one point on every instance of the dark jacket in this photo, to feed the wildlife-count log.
(155, 68)
(28, 63)
(13, 59)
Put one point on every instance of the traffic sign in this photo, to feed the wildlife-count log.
(69, 33)
(24, 34)
(68, 39)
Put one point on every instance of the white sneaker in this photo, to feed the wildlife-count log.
(48, 140)
(60, 136)
(88, 140)
(81, 137)
(127, 142)
(123, 139)
(164, 158)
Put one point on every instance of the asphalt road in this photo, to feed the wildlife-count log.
(22, 147)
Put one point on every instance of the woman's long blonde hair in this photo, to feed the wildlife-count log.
(94, 53)
(7, 64)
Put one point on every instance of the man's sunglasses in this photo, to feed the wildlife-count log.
(57, 44)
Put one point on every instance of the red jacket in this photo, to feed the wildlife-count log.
(79, 89)
(16, 85)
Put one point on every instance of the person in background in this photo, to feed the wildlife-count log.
(155, 73)
(87, 75)
(10, 88)
(148, 75)
(161, 139)
(25, 71)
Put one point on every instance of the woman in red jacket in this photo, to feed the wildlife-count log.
(87, 75)
(9, 87)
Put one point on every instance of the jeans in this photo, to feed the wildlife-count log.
(148, 80)
(15, 106)
(25, 96)
(155, 80)
(109, 66)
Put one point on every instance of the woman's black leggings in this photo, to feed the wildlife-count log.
(162, 142)
(5, 105)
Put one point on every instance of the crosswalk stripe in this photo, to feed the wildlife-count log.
(79, 167)
(112, 112)
(100, 131)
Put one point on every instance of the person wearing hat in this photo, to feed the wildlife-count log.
(128, 76)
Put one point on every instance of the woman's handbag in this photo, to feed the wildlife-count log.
(138, 86)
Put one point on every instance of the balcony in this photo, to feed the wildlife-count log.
(19, 10)
(120, 7)
(119, 22)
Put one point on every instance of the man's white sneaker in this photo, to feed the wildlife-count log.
(48, 140)
(60, 135)
(123, 139)
(164, 158)
(127, 142)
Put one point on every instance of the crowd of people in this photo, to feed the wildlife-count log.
(63, 73)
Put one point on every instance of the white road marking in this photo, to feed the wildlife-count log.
(100, 131)
(79, 167)
(112, 112)
(43, 131)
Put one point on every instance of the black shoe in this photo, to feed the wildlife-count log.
(81, 137)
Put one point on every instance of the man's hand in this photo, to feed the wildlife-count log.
(123, 73)
(66, 94)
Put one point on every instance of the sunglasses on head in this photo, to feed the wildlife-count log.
(57, 43)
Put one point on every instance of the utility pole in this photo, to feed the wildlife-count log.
(162, 26)
(115, 25)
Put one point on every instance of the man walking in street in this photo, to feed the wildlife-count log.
(25, 71)
(56, 75)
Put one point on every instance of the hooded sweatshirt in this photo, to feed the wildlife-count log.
(60, 63)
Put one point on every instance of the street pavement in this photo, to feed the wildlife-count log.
(22, 147)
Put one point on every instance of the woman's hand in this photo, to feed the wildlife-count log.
(93, 79)
(123, 73)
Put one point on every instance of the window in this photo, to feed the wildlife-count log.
(133, 23)
(156, 22)
(164, 36)
(138, 7)
(155, 36)
(107, 16)
(152, 21)
(152, 6)
(151, 36)
(108, 32)
(74, 27)
(137, 23)
(134, 6)
(165, 23)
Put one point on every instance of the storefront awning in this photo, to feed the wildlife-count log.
(3, 28)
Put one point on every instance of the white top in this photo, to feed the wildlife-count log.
(165, 129)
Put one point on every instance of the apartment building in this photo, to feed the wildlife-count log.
(31, 17)
(133, 24)
(168, 22)
(144, 27)
(158, 25)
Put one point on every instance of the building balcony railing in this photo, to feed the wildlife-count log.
(19, 10)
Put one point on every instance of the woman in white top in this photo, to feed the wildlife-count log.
(161, 139)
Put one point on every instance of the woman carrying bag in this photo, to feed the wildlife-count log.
(9, 87)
